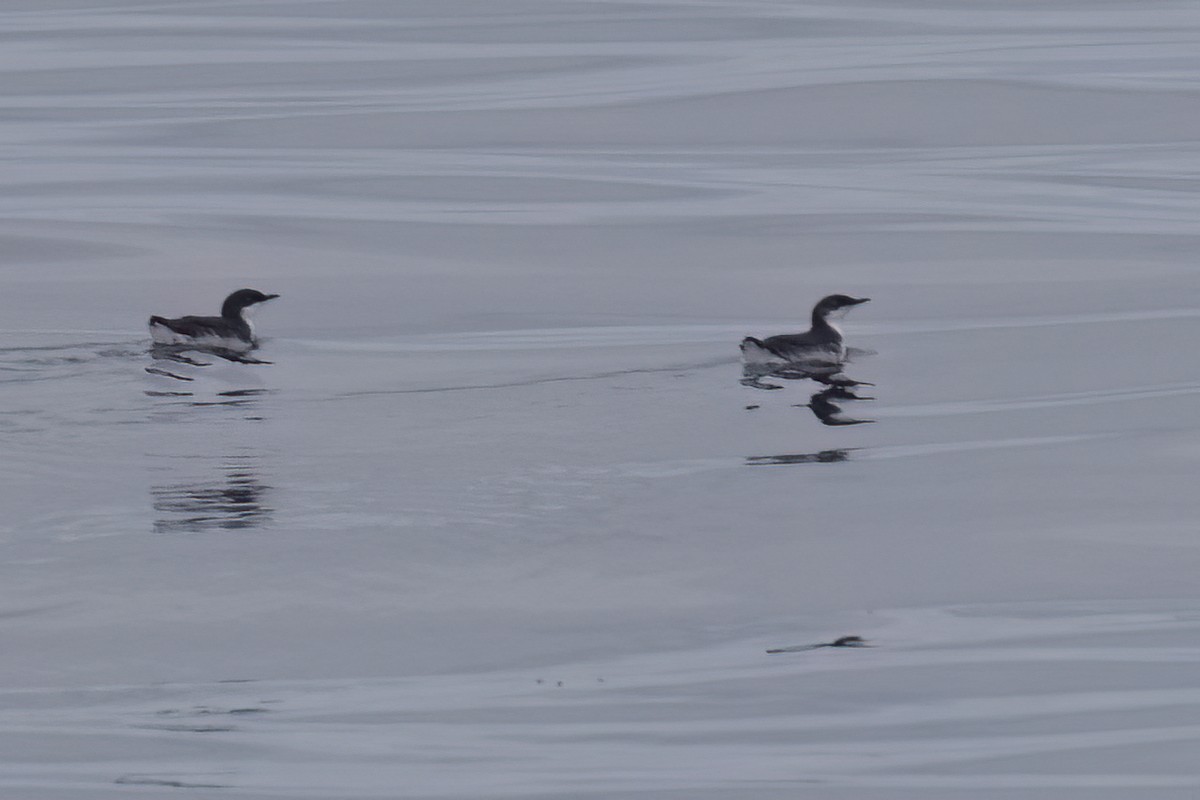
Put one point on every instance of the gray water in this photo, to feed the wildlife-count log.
(499, 520)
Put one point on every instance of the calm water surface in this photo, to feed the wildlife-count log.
(499, 520)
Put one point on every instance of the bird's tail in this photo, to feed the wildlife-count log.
(755, 352)
(757, 362)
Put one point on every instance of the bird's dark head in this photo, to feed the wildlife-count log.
(242, 299)
(836, 302)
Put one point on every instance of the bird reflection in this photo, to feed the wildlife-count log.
(843, 641)
(829, 412)
(235, 500)
(181, 371)
(822, 371)
(822, 457)
(183, 354)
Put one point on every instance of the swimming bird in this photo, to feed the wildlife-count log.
(821, 342)
(231, 331)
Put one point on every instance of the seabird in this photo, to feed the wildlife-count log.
(820, 342)
(230, 331)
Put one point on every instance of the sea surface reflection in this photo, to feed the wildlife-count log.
(827, 406)
(206, 376)
(821, 457)
(823, 367)
(233, 497)
(218, 392)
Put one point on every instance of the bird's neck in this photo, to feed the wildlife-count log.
(233, 313)
(820, 322)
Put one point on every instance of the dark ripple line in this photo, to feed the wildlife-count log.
(538, 381)
(67, 346)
